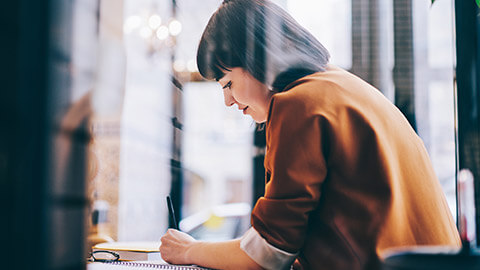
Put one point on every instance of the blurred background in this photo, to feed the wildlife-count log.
(104, 114)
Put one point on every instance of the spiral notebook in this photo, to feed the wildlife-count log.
(129, 251)
(139, 265)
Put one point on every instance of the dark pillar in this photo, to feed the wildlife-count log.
(403, 72)
(43, 139)
(467, 24)
(176, 191)
(23, 134)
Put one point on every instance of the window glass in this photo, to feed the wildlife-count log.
(134, 144)
(330, 22)
(217, 143)
(441, 95)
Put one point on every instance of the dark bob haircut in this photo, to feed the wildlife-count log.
(261, 38)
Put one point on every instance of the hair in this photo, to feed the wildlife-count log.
(261, 38)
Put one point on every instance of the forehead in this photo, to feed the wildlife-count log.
(229, 75)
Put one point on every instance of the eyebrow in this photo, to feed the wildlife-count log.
(227, 85)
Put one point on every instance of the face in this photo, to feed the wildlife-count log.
(251, 96)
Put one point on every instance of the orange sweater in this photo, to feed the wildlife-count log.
(346, 177)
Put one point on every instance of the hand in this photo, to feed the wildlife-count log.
(175, 246)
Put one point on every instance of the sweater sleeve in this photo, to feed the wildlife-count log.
(266, 255)
(295, 170)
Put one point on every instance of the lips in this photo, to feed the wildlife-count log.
(244, 110)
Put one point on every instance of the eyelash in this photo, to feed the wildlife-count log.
(229, 85)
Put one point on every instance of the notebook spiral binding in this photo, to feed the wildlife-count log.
(156, 266)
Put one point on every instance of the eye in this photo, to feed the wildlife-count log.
(228, 85)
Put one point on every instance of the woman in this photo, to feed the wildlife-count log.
(346, 176)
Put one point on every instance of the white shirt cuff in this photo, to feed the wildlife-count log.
(266, 255)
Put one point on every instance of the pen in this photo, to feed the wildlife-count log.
(171, 213)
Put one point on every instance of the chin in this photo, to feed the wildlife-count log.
(259, 121)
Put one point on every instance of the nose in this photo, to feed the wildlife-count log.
(228, 98)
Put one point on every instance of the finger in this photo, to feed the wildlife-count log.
(163, 240)
(165, 257)
(171, 231)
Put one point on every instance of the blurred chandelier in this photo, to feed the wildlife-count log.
(153, 29)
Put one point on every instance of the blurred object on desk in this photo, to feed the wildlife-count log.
(98, 232)
(223, 222)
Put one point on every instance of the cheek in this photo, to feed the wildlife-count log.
(256, 91)
(250, 90)
(241, 93)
